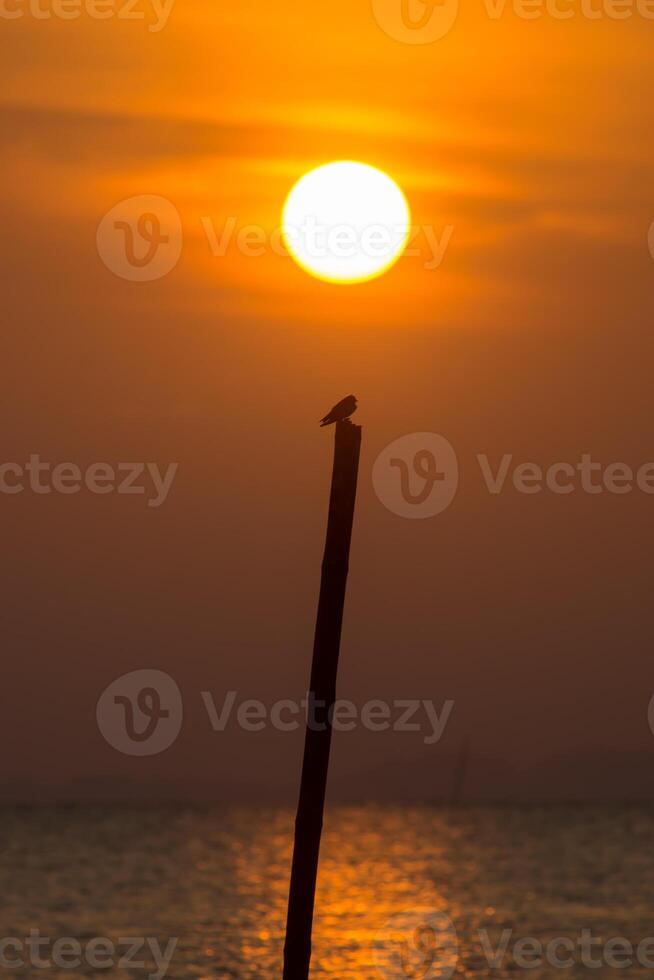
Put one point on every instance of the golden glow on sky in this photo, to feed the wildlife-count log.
(523, 146)
(346, 222)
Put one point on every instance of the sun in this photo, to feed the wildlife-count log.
(346, 222)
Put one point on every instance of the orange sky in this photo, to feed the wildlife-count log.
(532, 140)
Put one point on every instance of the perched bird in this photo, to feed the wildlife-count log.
(340, 412)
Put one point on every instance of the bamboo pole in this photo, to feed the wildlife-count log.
(322, 695)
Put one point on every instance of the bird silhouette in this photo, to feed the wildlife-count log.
(341, 411)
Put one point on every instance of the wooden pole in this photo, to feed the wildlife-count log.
(322, 695)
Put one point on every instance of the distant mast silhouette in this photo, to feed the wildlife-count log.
(322, 691)
(460, 772)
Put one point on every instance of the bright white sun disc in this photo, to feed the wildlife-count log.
(346, 222)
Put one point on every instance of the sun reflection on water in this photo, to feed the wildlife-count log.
(391, 879)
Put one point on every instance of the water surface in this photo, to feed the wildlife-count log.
(217, 879)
